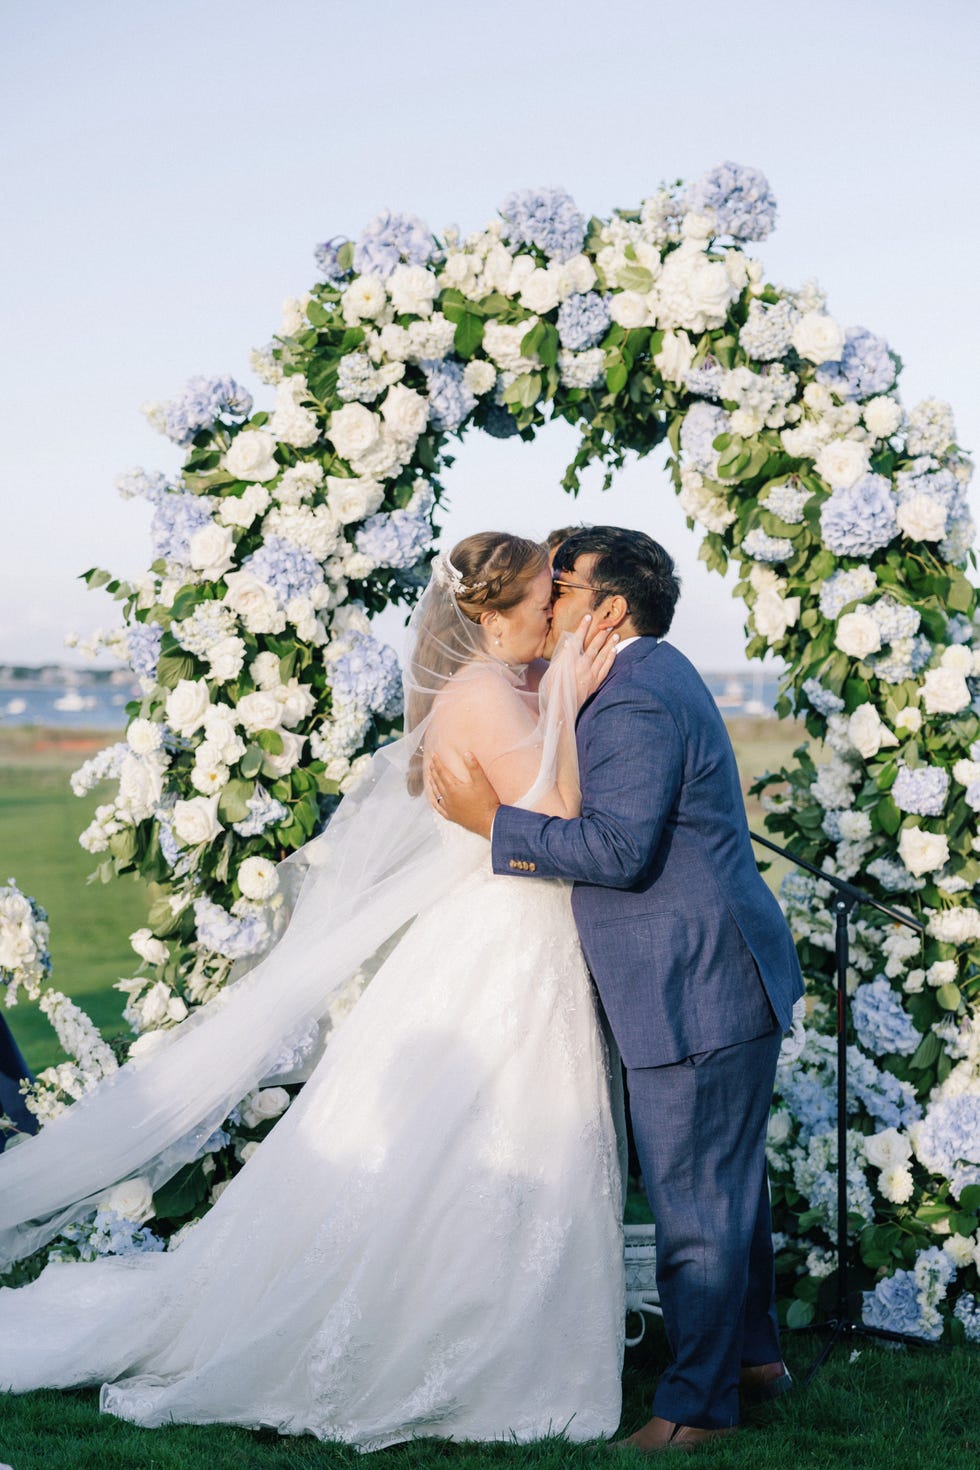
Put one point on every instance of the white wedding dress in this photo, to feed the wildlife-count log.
(428, 1242)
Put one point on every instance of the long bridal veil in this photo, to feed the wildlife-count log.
(379, 864)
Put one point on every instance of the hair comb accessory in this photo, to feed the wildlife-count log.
(450, 576)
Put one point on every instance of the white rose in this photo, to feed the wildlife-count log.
(251, 456)
(914, 982)
(479, 376)
(922, 852)
(394, 342)
(187, 705)
(886, 1149)
(353, 430)
(909, 719)
(241, 510)
(212, 551)
(922, 518)
(521, 267)
(257, 878)
(353, 500)
(675, 356)
(220, 733)
(254, 602)
(144, 736)
(132, 1199)
(577, 275)
(364, 300)
(778, 1129)
(140, 786)
(773, 614)
(857, 634)
(291, 422)
(405, 412)
(288, 757)
(247, 1150)
(263, 1104)
(196, 821)
(957, 657)
(966, 772)
(260, 710)
(944, 692)
(412, 289)
(882, 416)
(148, 947)
(294, 314)
(896, 1184)
(628, 309)
(867, 732)
(297, 701)
(148, 1043)
(225, 659)
(818, 337)
(942, 972)
(502, 342)
(842, 462)
(541, 291)
(265, 670)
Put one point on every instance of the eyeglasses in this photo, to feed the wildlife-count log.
(587, 587)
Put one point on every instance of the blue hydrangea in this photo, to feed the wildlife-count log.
(398, 539)
(264, 811)
(905, 658)
(859, 521)
(143, 485)
(369, 676)
(812, 1102)
(450, 401)
(959, 629)
(222, 932)
(110, 1234)
(866, 366)
(582, 320)
(549, 219)
(822, 700)
(176, 518)
(393, 239)
(740, 199)
(891, 1102)
(290, 570)
(926, 477)
(921, 790)
(842, 587)
(202, 402)
(948, 1141)
(703, 423)
(881, 1021)
(143, 648)
(326, 254)
(967, 1311)
(895, 1306)
(762, 547)
(894, 876)
(895, 619)
(705, 381)
(499, 422)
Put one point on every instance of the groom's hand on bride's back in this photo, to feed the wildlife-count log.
(471, 802)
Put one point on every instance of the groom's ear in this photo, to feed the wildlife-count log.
(612, 612)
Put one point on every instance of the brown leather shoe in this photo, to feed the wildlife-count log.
(765, 1380)
(660, 1434)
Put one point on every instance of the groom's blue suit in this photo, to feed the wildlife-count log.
(697, 972)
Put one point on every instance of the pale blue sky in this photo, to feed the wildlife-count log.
(169, 168)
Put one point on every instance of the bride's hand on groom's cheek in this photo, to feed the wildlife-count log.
(471, 802)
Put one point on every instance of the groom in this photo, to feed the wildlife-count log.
(693, 961)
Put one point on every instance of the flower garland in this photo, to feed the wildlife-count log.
(264, 689)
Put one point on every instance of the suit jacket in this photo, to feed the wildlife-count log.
(687, 946)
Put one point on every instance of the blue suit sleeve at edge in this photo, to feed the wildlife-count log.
(630, 779)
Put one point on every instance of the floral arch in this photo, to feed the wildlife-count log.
(264, 688)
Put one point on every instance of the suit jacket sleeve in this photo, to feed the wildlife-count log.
(633, 762)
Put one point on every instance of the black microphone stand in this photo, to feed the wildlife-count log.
(846, 897)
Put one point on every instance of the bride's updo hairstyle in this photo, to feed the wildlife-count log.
(488, 572)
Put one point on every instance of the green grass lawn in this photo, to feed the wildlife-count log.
(886, 1410)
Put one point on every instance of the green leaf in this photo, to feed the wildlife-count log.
(970, 1197)
(317, 314)
(233, 801)
(949, 997)
(251, 762)
(523, 392)
(926, 1052)
(270, 741)
(635, 278)
(172, 667)
(799, 1314)
(617, 374)
(888, 815)
(469, 334)
(181, 1193)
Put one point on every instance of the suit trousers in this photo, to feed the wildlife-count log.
(700, 1130)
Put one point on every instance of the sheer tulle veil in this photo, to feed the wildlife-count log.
(382, 860)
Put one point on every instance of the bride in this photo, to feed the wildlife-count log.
(429, 1240)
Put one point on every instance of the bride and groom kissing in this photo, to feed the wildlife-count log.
(428, 1243)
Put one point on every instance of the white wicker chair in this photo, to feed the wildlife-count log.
(642, 1297)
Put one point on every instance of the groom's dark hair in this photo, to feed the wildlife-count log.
(632, 564)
